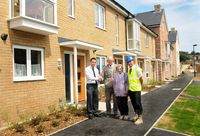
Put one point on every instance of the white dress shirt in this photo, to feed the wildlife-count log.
(90, 75)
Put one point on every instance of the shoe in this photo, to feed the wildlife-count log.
(116, 116)
(126, 117)
(97, 115)
(90, 116)
(135, 118)
(139, 120)
(121, 117)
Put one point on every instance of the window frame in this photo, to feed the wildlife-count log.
(97, 5)
(132, 38)
(146, 39)
(29, 76)
(72, 8)
(100, 61)
(22, 11)
(136, 35)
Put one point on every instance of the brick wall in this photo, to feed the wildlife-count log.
(32, 96)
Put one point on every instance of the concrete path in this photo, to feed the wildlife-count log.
(154, 104)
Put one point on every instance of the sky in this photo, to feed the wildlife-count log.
(184, 15)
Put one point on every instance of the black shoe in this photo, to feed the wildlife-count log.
(97, 115)
(90, 116)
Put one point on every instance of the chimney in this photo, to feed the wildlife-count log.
(157, 7)
(173, 29)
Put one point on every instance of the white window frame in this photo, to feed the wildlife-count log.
(128, 38)
(117, 60)
(22, 11)
(100, 60)
(117, 29)
(72, 9)
(146, 39)
(28, 60)
(98, 14)
(147, 68)
(136, 29)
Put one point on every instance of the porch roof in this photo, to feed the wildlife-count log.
(118, 52)
(79, 44)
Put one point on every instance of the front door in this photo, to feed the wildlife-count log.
(81, 77)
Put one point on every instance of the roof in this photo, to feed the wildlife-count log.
(172, 36)
(150, 18)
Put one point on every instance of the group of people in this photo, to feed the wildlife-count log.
(118, 85)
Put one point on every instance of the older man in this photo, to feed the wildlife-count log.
(107, 74)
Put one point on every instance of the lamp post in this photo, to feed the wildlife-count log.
(194, 55)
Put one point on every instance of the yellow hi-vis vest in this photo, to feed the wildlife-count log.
(133, 78)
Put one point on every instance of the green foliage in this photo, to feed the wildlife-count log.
(184, 56)
(66, 117)
(55, 123)
(35, 121)
(18, 127)
(57, 115)
(74, 110)
(52, 109)
(62, 104)
(39, 128)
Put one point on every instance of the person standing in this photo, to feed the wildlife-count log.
(135, 86)
(107, 75)
(92, 77)
(120, 86)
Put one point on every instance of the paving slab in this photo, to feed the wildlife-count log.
(154, 104)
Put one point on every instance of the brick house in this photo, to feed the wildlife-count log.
(175, 57)
(141, 42)
(156, 21)
(48, 46)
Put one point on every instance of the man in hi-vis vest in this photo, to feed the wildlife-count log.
(135, 86)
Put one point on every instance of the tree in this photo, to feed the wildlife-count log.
(184, 56)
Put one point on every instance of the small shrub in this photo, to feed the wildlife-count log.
(62, 105)
(66, 117)
(55, 123)
(57, 115)
(18, 127)
(43, 117)
(35, 121)
(39, 128)
(52, 109)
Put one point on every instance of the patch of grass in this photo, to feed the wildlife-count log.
(183, 117)
(193, 90)
(39, 128)
(18, 127)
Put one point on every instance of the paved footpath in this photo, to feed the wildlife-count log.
(154, 104)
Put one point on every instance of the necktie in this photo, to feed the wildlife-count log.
(93, 71)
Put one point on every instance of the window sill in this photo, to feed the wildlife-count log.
(29, 80)
(72, 17)
(101, 28)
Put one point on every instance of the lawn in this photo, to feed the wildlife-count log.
(184, 115)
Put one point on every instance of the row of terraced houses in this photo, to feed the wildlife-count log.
(45, 46)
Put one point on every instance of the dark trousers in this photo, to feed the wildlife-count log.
(109, 92)
(136, 101)
(92, 98)
(122, 103)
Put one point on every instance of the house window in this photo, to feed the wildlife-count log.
(100, 16)
(28, 63)
(140, 64)
(71, 8)
(43, 10)
(118, 61)
(147, 69)
(137, 36)
(130, 35)
(146, 40)
(101, 62)
(117, 29)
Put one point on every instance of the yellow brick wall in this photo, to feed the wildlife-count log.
(32, 96)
